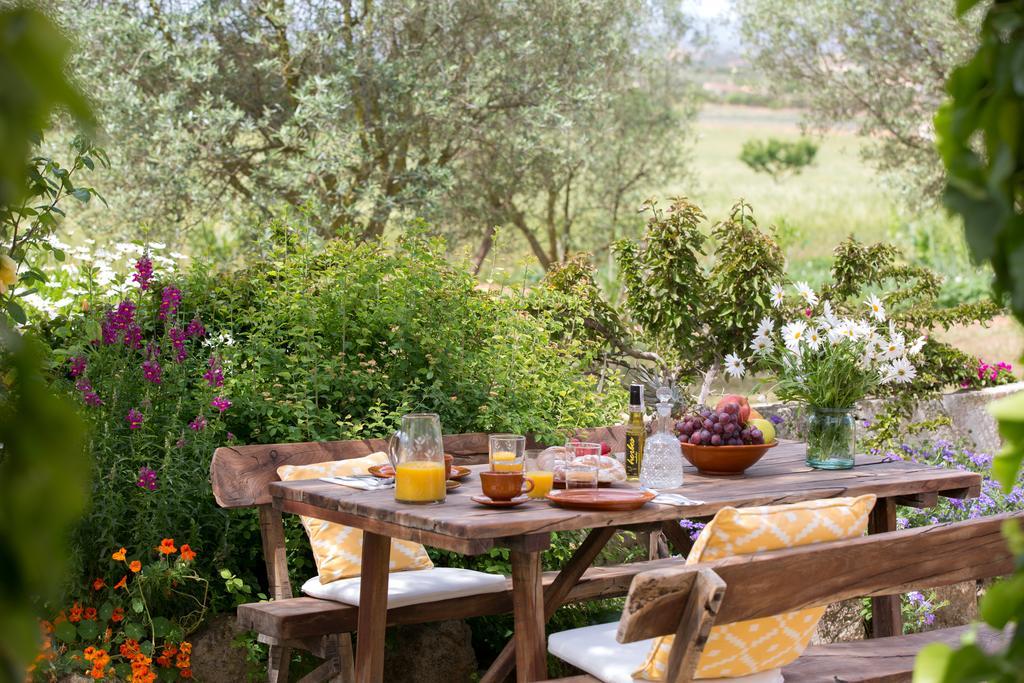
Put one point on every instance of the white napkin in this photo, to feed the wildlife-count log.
(366, 482)
(673, 499)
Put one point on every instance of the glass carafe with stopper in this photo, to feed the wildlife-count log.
(417, 454)
(663, 458)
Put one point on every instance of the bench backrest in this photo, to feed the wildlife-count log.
(240, 475)
(770, 583)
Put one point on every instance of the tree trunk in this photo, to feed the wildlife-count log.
(483, 250)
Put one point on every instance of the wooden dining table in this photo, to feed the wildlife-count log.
(462, 526)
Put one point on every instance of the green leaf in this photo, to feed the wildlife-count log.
(16, 312)
(137, 605)
(88, 630)
(1003, 600)
(106, 610)
(65, 631)
(161, 627)
(81, 194)
(134, 630)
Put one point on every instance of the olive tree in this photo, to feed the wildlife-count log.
(879, 63)
(359, 112)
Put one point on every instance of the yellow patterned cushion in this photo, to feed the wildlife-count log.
(338, 549)
(748, 647)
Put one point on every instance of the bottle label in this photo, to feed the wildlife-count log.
(634, 455)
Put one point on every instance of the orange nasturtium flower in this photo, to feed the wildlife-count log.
(166, 547)
(90, 614)
(75, 614)
(120, 554)
(135, 566)
(98, 584)
(118, 615)
(123, 583)
(187, 553)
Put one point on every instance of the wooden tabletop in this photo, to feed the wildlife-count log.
(463, 526)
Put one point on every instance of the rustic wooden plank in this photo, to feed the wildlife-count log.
(303, 617)
(528, 615)
(274, 552)
(702, 605)
(886, 614)
(279, 658)
(761, 585)
(918, 500)
(556, 591)
(373, 608)
(781, 477)
(879, 660)
(240, 474)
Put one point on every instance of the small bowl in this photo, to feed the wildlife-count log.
(724, 460)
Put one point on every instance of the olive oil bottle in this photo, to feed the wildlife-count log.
(636, 433)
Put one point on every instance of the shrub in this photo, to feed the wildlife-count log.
(778, 157)
(331, 341)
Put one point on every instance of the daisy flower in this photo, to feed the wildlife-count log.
(792, 333)
(762, 344)
(778, 296)
(902, 371)
(734, 366)
(765, 327)
(874, 304)
(804, 290)
(814, 338)
(895, 346)
(863, 329)
(916, 347)
(828, 316)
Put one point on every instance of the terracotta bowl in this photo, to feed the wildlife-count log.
(724, 460)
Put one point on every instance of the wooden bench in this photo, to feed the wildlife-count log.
(240, 476)
(688, 600)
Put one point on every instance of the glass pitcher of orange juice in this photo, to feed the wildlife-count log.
(416, 452)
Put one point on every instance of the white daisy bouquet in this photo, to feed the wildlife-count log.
(827, 361)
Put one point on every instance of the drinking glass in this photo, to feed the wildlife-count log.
(580, 476)
(416, 452)
(506, 452)
(543, 478)
(578, 449)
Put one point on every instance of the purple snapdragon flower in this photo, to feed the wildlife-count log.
(198, 424)
(89, 395)
(152, 371)
(143, 272)
(134, 419)
(77, 365)
(195, 329)
(147, 479)
(214, 374)
(178, 338)
(220, 403)
(170, 299)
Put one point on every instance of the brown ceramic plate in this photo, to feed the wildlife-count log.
(724, 460)
(601, 499)
(387, 471)
(490, 502)
(451, 485)
(560, 484)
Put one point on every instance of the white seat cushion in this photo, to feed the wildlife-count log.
(593, 649)
(413, 587)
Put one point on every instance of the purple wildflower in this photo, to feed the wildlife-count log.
(89, 396)
(214, 375)
(152, 371)
(198, 424)
(231, 437)
(220, 403)
(147, 479)
(195, 329)
(77, 365)
(134, 419)
(178, 338)
(169, 301)
(776, 419)
(133, 336)
(694, 528)
(122, 320)
(180, 443)
(143, 272)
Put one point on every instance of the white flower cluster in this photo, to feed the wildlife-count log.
(97, 272)
(885, 350)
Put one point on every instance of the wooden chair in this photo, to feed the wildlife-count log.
(686, 601)
(240, 476)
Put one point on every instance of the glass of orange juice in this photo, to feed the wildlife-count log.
(506, 452)
(543, 478)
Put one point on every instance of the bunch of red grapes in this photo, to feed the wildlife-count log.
(708, 427)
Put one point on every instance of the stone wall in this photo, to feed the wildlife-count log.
(966, 410)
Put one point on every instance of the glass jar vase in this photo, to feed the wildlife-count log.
(831, 438)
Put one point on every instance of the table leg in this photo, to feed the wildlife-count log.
(886, 617)
(373, 608)
(528, 610)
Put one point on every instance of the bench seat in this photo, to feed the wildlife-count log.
(305, 617)
(880, 660)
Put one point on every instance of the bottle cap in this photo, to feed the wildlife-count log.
(636, 394)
